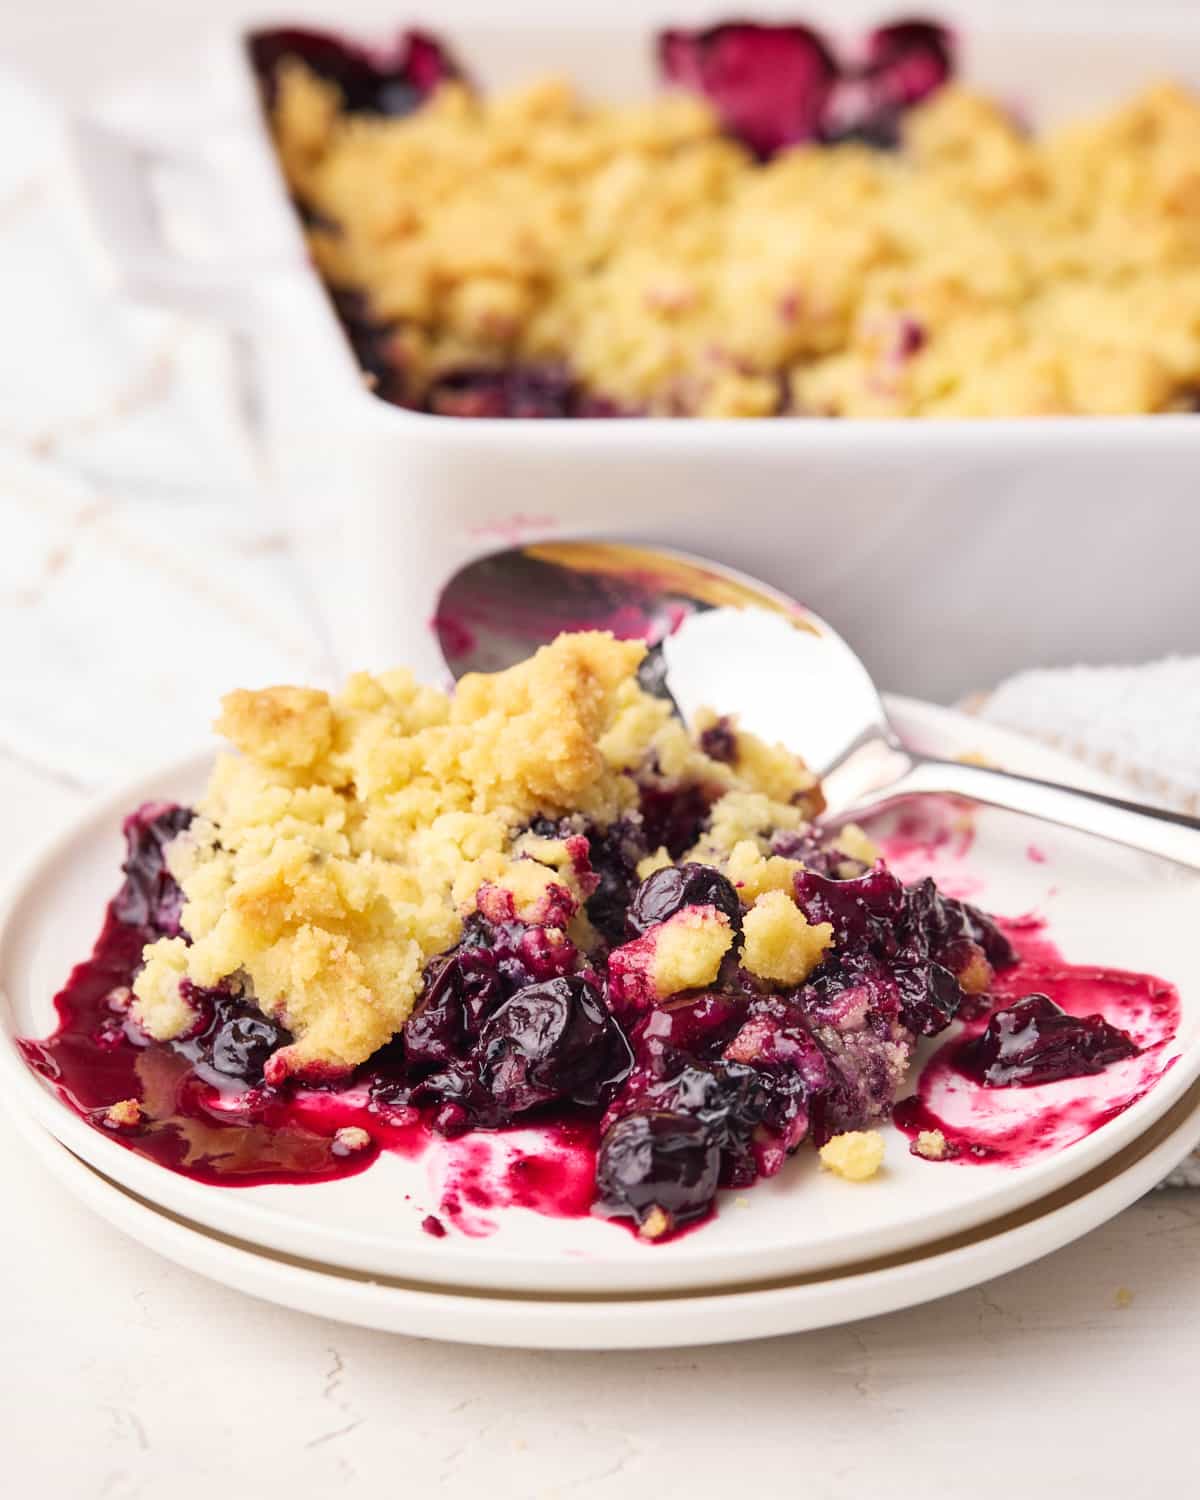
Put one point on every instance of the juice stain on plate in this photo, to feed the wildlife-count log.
(235, 1137)
(934, 838)
(1014, 1124)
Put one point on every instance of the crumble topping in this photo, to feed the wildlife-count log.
(350, 1139)
(688, 949)
(682, 953)
(978, 271)
(931, 1144)
(125, 1114)
(855, 1155)
(754, 874)
(780, 942)
(343, 848)
(655, 1225)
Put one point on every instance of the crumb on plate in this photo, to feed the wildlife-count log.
(855, 1155)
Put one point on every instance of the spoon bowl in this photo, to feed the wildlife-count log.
(722, 640)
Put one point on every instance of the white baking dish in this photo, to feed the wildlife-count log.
(950, 553)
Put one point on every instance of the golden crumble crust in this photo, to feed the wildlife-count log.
(781, 944)
(980, 271)
(856, 1155)
(343, 846)
(688, 949)
(283, 726)
(125, 1114)
(931, 1144)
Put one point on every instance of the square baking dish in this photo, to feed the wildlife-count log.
(949, 552)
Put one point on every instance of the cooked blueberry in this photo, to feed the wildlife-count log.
(906, 62)
(464, 986)
(698, 1024)
(673, 816)
(434, 1031)
(670, 889)
(544, 391)
(614, 855)
(719, 742)
(860, 910)
(732, 1101)
(458, 1100)
(552, 1041)
(388, 82)
(769, 85)
(942, 922)
(659, 1168)
(242, 1044)
(929, 996)
(232, 1040)
(1036, 1041)
(150, 897)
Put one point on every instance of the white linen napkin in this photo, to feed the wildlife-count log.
(140, 572)
(141, 575)
(1141, 724)
(1138, 723)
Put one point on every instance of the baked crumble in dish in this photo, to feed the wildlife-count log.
(396, 914)
(780, 231)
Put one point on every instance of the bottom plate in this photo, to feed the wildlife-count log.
(652, 1320)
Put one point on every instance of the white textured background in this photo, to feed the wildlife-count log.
(122, 1376)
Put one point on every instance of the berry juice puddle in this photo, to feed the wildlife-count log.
(594, 1105)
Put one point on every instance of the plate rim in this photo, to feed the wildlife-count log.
(684, 1318)
(497, 1266)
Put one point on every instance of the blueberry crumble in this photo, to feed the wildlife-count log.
(785, 229)
(396, 914)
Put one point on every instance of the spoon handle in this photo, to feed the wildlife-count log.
(1170, 835)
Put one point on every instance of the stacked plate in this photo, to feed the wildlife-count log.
(800, 1251)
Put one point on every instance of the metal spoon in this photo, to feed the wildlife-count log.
(721, 639)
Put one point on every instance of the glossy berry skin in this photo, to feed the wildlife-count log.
(658, 1159)
(1035, 1041)
(242, 1044)
(613, 854)
(549, 1041)
(464, 986)
(669, 890)
(150, 898)
(774, 86)
(905, 944)
(387, 81)
(232, 1040)
(769, 85)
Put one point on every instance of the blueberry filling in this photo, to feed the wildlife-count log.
(542, 391)
(551, 1041)
(719, 742)
(905, 63)
(233, 1038)
(388, 81)
(149, 897)
(708, 1088)
(669, 890)
(659, 1168)
(770, 85)
(1035, 1041)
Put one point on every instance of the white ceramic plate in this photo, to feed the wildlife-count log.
(1105, 905)
(753, 1311)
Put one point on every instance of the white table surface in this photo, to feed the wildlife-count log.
(123, 1376)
